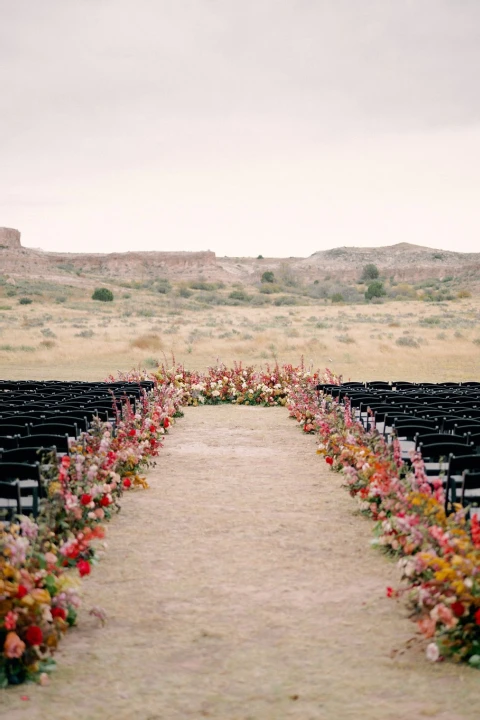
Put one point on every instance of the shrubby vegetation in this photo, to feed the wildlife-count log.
(103, 294)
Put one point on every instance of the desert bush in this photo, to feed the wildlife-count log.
(184, 292)
(203, 285)
(85, 334)
(407, 341)
(337, 297)
(375, 290)
(347, 339)
(163, 286)
(240, 295)
(268, 277)
(47, 344)
(102, 294)
(11, 292)
(151, 362)
(14, 348)
(60, 299)
(285, 300)
(370, 272)
(46, 332)
(270, 288)
(148, 341)
(25, 301)
(461, 294)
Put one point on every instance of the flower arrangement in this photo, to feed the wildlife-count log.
(41, 562)
(439, 556)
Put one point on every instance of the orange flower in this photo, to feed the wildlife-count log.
(13, 646)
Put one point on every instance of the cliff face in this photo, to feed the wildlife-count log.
(10, 238)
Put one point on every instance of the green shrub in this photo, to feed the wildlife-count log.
(25, 301)
(184, 292)
(337, 297)
(102, 294)
(370, 272)
(375, 290)
(268, 277)
(240, 295)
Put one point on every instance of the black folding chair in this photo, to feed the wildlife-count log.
(59, 441)
(7, 442)
(457, 464)
(10, 500)
(45, 428)
(29, 481)
(470, 492)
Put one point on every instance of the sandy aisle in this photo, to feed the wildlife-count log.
(241, 586)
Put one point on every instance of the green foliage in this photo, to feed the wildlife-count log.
(268, 277)
(375, 290)
(259, 257)
(25, 301)
(102, 294)
(337, 297)
(370, 272)
(163, 286)
(269, 288)
(240, 295)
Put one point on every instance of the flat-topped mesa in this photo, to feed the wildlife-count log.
(10, 238)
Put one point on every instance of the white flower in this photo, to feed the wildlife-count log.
(432, 652)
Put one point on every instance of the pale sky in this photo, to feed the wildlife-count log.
(246, 127)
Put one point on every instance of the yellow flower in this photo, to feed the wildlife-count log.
(41, 596)
(53, 488)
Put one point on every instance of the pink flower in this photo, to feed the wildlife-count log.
(10, 620)
(432, 652)
(13, 646)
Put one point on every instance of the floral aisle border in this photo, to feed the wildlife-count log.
(41, 563)
(439, 555)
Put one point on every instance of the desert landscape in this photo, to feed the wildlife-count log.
(200, 309)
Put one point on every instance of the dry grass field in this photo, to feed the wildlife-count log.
(64, 334)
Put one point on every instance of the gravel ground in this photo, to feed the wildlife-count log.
(242, 586)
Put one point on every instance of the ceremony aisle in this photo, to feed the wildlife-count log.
(242, 585)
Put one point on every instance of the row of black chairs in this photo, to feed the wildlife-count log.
(41, 420)
(442, 421)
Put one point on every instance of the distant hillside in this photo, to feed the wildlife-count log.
(401, 263)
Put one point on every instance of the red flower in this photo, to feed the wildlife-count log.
(458, 608)
(86, 499)
(329, 460)
(21, 592)
(132, 432)
(127, 483)
(166, 423)
(152, 428)
(105, 501)
(58, 612)
(65, 461)
(34, 635)
(83, 567)
(477, 617)
(390, 592)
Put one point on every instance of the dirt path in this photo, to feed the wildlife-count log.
(242, 586)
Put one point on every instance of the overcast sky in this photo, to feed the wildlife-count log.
(274, 127)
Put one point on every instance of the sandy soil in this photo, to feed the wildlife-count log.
(242, 586)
